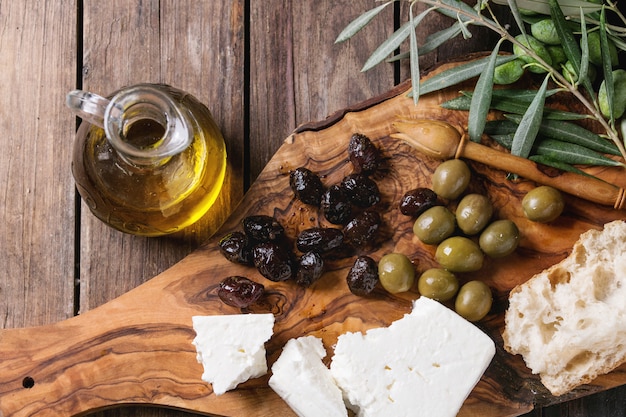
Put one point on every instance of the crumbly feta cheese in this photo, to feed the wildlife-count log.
(302, 380)
(231, 348)
(425, 364)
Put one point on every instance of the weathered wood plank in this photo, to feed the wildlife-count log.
(298, 74)
(37, 46)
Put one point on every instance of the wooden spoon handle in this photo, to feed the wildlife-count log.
(587, 188)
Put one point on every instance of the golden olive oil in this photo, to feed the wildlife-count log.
(163, 195)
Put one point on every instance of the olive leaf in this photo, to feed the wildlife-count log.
(414, 59)
(573, 154)
(459, 74)
(563, 166)
(432, 42)
(481, 99)
(462, 11)
(607, 68)
(360, 22)
(437, 39)
(393, 42)
(516, 96)
(584, 50)
(517, 16)
(559, 152)
(572, 133)
(529, 124)
(570, 46)
(569, 7)
(511, 103)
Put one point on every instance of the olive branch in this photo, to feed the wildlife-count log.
(573, 21)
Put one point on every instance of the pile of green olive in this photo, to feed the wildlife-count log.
(463, 238)
(473, 217)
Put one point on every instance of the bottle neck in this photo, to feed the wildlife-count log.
(146, 126)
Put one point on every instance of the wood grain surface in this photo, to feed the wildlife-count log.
(262, 67)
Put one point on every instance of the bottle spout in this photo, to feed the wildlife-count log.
(88, 106)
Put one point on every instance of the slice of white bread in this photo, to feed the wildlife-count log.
(569, 321)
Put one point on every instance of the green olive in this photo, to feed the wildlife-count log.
(557, 53)
(570, 74)
(473, 213)
(473, 301)
(538, 47)
(499, 239)
(619, 95)
(595, 51)
(438, 284)
(509, 72)
(396, 273)
(459, 254)
(545, 31)
(434, 225)
(543, 204)
(451, 178)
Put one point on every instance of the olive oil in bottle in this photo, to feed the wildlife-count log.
(151, 161)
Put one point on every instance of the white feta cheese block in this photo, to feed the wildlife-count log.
(425, 364)
(231, 348)
(302, 380)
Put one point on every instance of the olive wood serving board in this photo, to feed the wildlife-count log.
(137, 349)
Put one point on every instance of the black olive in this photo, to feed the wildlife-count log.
(310, 269)
(362, 230)
(319, 239)
(239, 291)
(336, 205)
(274, 261)
(363, 154)
(306, 186)
(262, 228)
(363, 276)
(361, 190)
(417, 201)
(236, 248)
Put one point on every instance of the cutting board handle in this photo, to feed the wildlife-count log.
(134, 349)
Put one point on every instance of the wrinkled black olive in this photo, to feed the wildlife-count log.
(262, 228)
(274, 261)
(239, 291)
(310, 269)
(336, 205)
(363, 276)
(415, 202)
(319, 239)
(362, 230)
(306, 186)
(361, 190)
(236, 248)
(363, 154)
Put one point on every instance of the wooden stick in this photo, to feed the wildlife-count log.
(440, 140)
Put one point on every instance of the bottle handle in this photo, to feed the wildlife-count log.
(88, 106)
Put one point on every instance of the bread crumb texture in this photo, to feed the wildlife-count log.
(569, 321)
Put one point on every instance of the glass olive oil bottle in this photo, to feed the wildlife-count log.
(150, 161)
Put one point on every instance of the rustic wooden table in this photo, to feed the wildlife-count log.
(262, 67)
